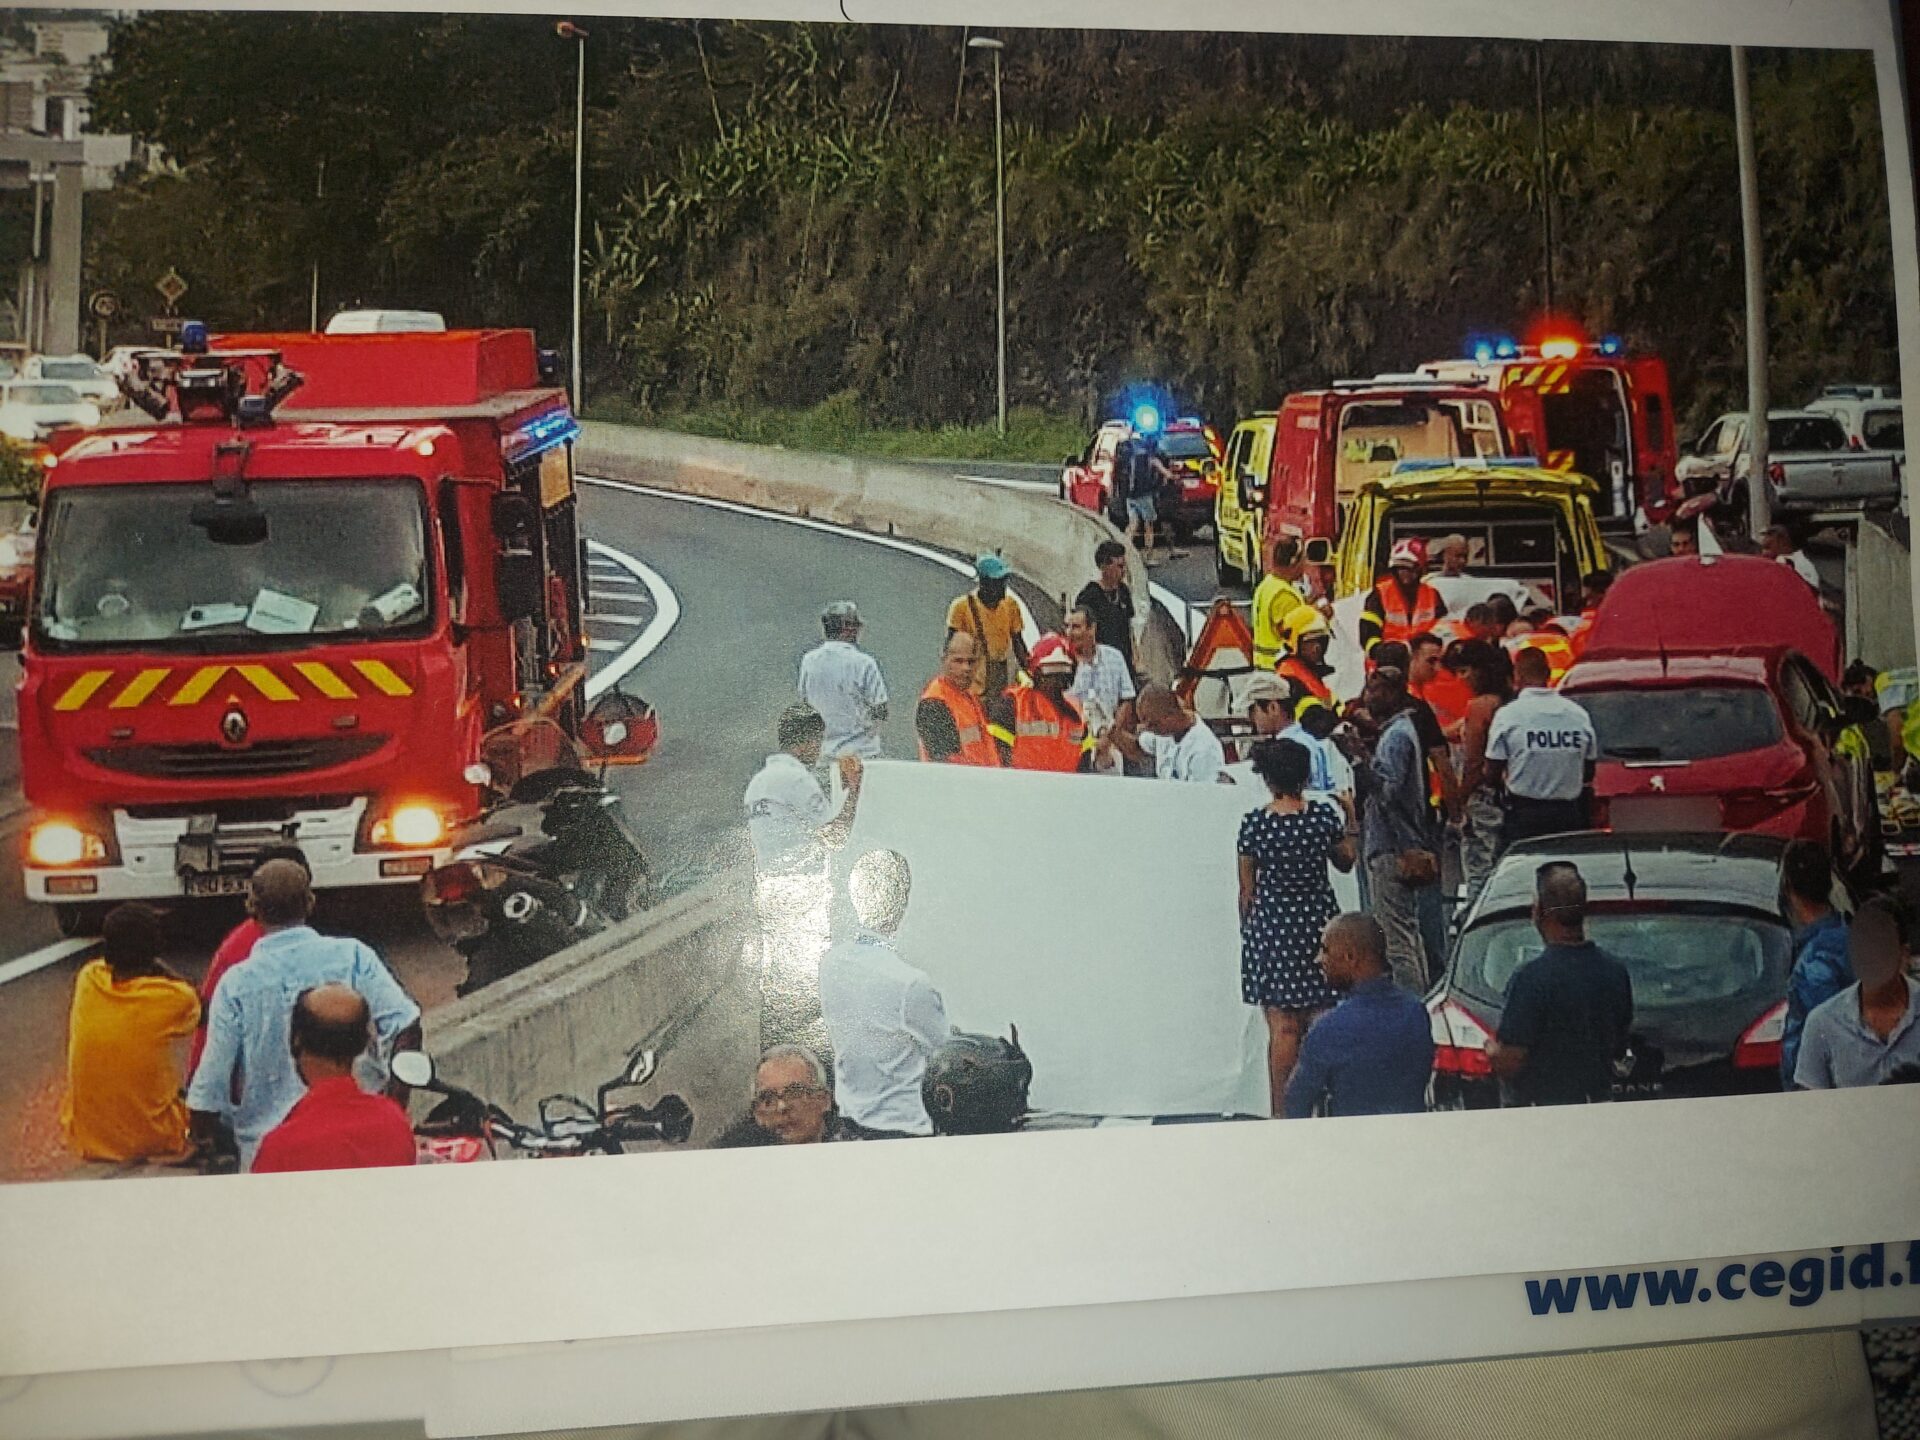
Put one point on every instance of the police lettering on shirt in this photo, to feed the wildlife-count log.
(1545, 740)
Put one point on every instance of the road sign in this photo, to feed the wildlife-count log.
(165, 324)
(171, 287)
(104, 305)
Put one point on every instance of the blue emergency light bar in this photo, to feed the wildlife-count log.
(540, 434)
(1146, 419)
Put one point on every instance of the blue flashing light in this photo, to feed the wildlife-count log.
(1146, 419)
(1483, 352)
(193, 337)
(1506, 349)
(541, 434)
(1611, 345)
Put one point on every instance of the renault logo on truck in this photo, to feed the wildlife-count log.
(233, 726)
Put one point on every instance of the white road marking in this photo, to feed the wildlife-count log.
(606, 645)
(621, 597)
(619, 582)
(601, 617)
(39, 960)
(906, 547)
(666, 615)
(1051, 487)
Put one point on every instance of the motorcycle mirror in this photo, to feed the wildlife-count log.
(413, 1068)
(640, 1067)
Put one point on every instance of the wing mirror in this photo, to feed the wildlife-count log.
(620, 729)
(413, 1068)
(1319, 551)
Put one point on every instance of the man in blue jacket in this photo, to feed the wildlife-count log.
(1821, 969)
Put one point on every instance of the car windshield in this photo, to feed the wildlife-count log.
(42, 395)
(142, 565)
(70, 370)
(1701, 722)
(1677, 957)
(1884, 430)
(1804, 433)
(1185, 445)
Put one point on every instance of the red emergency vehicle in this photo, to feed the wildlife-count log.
(1588, 407)
(282, 605)
(1294, 471)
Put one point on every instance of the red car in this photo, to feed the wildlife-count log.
(1712, 691)
(1190, 448)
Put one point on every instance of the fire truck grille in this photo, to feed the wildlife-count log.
(263, 757)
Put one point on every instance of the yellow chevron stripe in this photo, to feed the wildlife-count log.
(139, 688)
(82, 689)
(322, 678)
(266, 682)
(198, 684)
(382, 678)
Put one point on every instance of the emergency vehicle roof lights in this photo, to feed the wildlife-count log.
(540, 434)
(1146, 419)
(1483, 352)
(1505, 349)
(193, 337)
(1560, 347)
(1611, 345)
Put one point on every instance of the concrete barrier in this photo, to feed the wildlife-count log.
(1047, 541)
(1879, 598)
(683, 977)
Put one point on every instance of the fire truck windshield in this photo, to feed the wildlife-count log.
(127, 565)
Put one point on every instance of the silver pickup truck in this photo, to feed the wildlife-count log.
(1811, 466)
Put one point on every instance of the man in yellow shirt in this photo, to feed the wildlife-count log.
(126, 1040)
(1276, 598)
(997, 623)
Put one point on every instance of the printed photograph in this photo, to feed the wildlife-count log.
(587, 585)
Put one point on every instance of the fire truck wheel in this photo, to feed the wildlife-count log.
(79, 922)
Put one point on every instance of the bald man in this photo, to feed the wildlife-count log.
(1372, 1053)
(1172, 740)
(249, 1028)
(336, 1125)
(1568, 1010)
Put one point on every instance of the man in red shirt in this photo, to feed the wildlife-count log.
(236, 947)
(336, 1125)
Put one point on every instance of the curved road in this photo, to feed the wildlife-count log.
(749, 589)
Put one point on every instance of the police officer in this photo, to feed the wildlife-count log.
(1541, 747)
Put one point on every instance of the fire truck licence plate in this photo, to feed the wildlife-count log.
(216, 884)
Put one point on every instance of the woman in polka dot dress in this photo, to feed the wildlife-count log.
(1286, 899)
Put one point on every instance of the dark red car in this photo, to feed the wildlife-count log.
(1712, 691)
(1190, 448)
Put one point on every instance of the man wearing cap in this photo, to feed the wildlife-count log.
(842, 682)
(1402, 604)
(1038, 726)
(997, 623)
(1305, 669)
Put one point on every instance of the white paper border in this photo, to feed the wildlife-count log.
(263, 1267)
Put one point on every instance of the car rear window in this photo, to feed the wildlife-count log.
(1884, 430)
(1805, 432)
(1701, 722)
(1677, 958)
(1185, 445)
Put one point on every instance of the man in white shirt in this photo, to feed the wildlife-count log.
(792, 825)
(1102, 683)
(883, 1015)
(843, 683)
(1541, 746)
(1777, 544)
(1177, 744)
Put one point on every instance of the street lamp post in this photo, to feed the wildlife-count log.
(1758, 506)
(567, 30)
(983, 42)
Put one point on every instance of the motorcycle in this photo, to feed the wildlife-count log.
(463, 1127)
(550, 863)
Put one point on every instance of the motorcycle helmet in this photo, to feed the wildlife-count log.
(977, 1085)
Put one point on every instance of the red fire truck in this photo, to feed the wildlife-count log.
(1586, 406)
(281, 600)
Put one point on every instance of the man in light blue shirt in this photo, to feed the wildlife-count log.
(1871, 1028)
(843, 683)
(251, 1015)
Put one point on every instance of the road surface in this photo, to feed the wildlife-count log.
(749, 591)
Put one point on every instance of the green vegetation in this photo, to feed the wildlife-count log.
(837, 425)
(782, 217)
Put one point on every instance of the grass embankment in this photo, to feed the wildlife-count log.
(837, 426)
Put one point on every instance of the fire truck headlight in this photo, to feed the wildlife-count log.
(56, 842)
(415, 826)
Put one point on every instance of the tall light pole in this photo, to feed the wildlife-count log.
(983, 42)
(1758, 511)
(1546, 171)
(567, 30)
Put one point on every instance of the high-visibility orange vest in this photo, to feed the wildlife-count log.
(1448, 694)
(1295, 669)
(1557, 648)
(969, 719)
(1578, 636)
(1397, 622)
(1046, 736)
